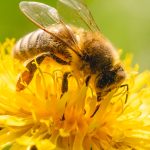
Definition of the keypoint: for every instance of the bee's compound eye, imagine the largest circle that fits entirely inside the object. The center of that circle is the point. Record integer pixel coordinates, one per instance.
(100, 82)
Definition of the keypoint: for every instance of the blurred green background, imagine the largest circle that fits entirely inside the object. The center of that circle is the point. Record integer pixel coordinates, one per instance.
(125, 22)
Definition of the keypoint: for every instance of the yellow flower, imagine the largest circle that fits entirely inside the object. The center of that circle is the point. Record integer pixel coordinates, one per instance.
(37, 118)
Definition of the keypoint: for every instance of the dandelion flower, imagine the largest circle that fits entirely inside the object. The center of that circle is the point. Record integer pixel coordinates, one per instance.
(37, 118)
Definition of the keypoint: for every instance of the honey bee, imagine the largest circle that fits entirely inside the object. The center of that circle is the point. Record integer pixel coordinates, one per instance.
(85, 50)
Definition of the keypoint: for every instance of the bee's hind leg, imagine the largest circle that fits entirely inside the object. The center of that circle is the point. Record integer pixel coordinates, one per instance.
(26, 76)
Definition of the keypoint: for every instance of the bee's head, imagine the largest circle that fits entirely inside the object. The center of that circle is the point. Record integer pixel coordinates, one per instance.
(108, 80)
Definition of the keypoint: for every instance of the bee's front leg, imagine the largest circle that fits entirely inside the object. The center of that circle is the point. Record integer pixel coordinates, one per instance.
(64, 87)
(99, 98)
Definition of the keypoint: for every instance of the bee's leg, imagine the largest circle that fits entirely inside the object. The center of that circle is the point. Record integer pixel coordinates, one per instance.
(97, 106)
(99, 99)
(87, 83)
(96, 109)
(58, 60)
(64, 87)
(87, 80)
(127, 88)
(27, 75)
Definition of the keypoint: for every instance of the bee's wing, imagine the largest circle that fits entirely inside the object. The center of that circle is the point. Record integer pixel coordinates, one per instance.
(79, 8)
(43, 16)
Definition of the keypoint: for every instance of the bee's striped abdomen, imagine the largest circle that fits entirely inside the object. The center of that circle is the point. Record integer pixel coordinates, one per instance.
(35, 43)
(26, 47)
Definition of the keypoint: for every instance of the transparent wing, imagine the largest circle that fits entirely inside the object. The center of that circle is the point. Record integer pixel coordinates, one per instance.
(43, 16)
(80, 9)
(40, 13)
